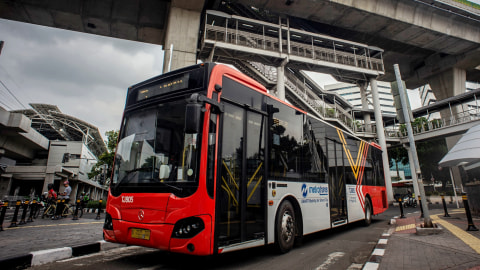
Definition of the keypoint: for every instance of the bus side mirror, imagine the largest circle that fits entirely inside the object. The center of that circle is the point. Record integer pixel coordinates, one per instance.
(193, 113)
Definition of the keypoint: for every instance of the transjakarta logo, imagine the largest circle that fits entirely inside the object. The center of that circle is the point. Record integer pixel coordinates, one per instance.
(314, 190)
(127, 199)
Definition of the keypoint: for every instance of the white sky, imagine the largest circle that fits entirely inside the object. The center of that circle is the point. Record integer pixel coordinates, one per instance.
(85, 75)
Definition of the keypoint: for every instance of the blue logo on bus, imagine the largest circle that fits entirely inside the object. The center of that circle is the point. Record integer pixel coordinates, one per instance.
(304, 190)
(314, 190)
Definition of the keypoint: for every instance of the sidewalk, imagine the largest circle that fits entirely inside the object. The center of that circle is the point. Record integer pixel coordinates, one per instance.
(46, 240)
(452, 248)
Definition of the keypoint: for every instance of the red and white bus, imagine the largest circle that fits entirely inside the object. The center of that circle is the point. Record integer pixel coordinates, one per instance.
(208, 162)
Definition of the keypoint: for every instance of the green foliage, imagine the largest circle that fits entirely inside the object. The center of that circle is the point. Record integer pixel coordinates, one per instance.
(330, 112)
(398, 154)
(94, 204)
(430, 152)
(468, 3)
(106, 158)
(419, 124)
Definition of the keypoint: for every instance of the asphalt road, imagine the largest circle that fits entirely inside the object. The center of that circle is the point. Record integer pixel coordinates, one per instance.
(347, 247)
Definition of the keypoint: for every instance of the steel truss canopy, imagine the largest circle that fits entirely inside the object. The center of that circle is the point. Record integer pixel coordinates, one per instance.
(53, 124)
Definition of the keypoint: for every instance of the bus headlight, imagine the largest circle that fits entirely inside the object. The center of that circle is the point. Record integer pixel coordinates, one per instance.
(188, 227)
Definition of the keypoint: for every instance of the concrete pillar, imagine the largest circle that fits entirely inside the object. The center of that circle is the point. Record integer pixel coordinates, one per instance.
(281, 82)
(366, 116)
(414, 175)
(448, 84)
(182, 31)
(5, 184)
(381, 137)
(49, 178)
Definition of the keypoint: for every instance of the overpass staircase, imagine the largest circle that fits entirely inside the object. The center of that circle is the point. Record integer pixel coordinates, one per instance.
(299, 92)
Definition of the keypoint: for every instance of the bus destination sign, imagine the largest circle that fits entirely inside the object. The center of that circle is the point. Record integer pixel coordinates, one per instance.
(163, 87)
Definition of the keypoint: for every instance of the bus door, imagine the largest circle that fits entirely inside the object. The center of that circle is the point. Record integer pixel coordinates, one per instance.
(240, 190)
(336, 183)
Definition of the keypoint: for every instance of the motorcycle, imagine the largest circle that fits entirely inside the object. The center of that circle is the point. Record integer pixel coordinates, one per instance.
(408, 201)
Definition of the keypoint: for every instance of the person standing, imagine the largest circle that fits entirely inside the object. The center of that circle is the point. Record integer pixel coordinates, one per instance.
(65, 195)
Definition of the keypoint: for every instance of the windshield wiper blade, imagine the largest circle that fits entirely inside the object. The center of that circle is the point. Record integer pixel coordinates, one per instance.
(172, 186)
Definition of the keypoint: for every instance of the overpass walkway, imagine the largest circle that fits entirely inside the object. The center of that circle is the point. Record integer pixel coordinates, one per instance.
(257, 47)
(231, 36)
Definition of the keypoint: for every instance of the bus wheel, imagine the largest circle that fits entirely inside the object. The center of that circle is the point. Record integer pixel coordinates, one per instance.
(368, 212)
(285, 227)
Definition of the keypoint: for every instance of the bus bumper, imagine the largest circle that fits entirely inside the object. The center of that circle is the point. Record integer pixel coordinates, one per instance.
(160, 236)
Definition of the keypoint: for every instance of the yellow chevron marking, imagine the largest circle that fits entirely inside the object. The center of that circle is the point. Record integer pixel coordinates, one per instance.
(355, 165)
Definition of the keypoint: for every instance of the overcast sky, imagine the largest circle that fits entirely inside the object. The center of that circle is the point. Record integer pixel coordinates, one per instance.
(85, 75)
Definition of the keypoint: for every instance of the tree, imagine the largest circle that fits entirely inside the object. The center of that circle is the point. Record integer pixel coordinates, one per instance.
(105, 160)
(430, 152)
(398, 154)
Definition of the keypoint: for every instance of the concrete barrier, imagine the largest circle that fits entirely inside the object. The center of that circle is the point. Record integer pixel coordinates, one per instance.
(50, 255)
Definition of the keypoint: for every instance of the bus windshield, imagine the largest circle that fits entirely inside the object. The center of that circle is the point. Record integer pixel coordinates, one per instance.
(154, 154)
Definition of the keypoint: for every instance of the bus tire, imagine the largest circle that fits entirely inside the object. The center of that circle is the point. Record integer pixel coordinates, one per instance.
(285, 227)
(368, 212)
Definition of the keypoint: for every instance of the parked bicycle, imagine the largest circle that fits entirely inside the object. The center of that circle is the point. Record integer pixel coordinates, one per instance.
(49, 209)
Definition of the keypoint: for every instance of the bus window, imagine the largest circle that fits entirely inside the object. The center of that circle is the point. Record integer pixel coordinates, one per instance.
(314, 161)
(286, 144)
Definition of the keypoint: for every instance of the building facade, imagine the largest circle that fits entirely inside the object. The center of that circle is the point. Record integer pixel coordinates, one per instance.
(351, 93)
(42, 146)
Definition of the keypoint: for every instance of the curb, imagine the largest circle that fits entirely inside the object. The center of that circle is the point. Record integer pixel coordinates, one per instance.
(36, 258)
(377, 254)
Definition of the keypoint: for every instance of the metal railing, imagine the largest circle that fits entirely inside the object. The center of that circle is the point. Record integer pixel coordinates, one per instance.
(420, 127)
(307, 96)
(280, 38)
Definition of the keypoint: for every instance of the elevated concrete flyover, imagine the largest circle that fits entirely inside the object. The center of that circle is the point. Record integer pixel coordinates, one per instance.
(436, 42)
(162, 22)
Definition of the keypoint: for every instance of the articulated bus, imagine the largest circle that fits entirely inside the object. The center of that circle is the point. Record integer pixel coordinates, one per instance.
(208, 162)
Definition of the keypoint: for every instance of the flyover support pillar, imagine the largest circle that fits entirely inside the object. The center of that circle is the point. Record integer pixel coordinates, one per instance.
(182, 32)
(366, 115)
(448, 84)
(281, 80)
(381, 137)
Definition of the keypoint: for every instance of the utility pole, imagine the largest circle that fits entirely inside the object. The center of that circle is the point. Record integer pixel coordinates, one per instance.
(427, 221)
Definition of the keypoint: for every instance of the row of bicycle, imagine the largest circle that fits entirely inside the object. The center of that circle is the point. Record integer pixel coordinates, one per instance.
(27, 210)
(58, 208)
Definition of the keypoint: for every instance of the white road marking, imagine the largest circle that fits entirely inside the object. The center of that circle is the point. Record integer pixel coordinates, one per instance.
(371, 266)
(355, 266)
(383, 241)
(331, 259)
(378, 252)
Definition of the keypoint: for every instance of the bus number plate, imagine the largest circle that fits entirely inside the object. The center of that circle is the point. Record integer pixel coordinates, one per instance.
(141, 234)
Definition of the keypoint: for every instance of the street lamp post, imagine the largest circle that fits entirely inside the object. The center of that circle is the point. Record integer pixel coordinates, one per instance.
(427, 220)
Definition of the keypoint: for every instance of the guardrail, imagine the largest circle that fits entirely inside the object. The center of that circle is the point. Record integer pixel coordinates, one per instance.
(423, 126)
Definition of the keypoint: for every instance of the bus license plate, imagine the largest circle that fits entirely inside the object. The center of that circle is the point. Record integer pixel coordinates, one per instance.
(141, 234)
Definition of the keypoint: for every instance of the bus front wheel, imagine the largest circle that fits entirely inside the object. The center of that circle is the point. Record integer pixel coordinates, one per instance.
(368, 212)
(285, 227)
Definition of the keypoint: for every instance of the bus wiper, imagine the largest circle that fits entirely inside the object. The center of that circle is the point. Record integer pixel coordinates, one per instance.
(172, 186)
(129, 173)
(138, 169)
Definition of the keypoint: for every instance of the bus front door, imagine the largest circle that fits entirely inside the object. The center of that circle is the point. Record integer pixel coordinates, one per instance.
(240, 199)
